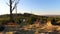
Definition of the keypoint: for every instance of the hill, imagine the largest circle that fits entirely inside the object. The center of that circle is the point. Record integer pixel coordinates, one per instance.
(29, 18)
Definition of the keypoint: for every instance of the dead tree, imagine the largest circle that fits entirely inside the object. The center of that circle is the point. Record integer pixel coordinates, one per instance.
(12, 8)
(11, 17)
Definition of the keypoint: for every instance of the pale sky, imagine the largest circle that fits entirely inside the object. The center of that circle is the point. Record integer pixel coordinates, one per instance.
(39, 7)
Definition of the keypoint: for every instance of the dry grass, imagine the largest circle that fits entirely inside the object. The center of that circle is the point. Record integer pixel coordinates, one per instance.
(48, 27)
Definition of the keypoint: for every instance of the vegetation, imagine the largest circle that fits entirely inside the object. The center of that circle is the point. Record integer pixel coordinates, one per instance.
(29, 18)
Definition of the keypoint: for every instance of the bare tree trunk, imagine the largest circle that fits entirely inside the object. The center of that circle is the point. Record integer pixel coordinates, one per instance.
(12, 8)
(11, 17)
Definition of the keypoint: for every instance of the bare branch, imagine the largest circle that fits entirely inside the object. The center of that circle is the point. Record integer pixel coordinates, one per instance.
(7, 4)
(13, 1)
(15, 5)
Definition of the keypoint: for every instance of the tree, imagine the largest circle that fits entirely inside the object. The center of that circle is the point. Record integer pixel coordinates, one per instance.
(12, 7)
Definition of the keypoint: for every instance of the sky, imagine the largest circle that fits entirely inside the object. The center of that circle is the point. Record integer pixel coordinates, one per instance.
(39, 7)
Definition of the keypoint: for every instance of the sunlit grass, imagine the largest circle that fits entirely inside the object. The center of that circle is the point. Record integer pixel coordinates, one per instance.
(48, 27)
